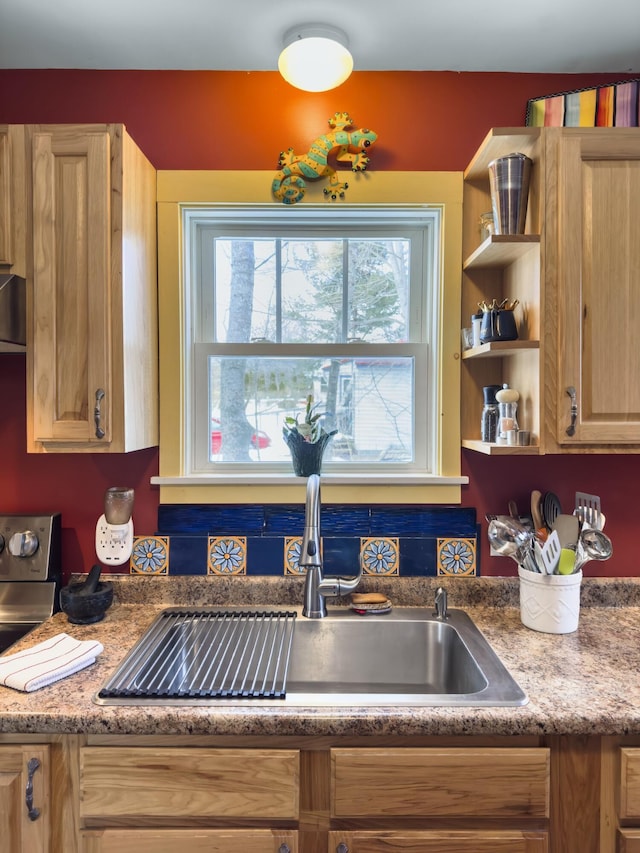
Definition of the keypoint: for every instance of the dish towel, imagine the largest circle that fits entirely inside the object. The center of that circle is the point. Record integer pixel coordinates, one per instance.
(47, 662)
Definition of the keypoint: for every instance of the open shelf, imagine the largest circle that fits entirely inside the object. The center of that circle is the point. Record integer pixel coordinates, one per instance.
(498, 349)
(500, 449)
(520, 139)
(500, 250)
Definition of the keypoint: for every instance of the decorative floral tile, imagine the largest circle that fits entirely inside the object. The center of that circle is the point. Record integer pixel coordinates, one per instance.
(380, 556)
(292, 546)
(150, 555)
(227, 555)
(456, 557)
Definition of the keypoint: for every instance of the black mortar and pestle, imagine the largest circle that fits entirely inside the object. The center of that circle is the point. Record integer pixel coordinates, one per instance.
(87, 602)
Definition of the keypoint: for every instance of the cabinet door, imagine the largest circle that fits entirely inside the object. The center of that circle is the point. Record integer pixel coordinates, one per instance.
(6, 256)
(24, 799)
(439, 841)
(70, 346)
(13, 213)
(190, 841)
(596, 282)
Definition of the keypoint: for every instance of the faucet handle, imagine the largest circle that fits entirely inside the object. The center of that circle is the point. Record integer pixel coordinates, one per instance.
(441, 603)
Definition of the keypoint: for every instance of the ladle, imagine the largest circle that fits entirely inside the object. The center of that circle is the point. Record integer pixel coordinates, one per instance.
(510, 538)
(592, 545)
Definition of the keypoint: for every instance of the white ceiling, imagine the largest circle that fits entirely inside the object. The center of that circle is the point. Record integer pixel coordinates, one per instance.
(555, 36)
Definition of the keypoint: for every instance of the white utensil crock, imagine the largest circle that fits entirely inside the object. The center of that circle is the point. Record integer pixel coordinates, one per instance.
(550, 603)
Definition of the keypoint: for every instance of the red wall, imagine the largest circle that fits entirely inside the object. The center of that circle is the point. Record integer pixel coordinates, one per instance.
(242, 120)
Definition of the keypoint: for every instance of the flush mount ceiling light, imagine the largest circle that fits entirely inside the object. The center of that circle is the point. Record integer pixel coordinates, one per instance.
(315, 57)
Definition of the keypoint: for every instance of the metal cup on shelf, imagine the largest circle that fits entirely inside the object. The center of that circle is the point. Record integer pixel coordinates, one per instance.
(509, 179)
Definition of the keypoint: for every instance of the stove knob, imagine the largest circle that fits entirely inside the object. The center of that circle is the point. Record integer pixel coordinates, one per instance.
(23, 544)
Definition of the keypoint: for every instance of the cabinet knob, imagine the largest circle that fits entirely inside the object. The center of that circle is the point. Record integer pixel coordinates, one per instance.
(97, 413)
(32, 766)
(342, 848)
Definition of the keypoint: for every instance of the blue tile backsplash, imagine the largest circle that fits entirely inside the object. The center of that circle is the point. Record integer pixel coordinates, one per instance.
(252, 539)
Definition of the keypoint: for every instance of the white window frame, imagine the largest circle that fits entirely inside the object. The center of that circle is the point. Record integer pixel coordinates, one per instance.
(421, 224)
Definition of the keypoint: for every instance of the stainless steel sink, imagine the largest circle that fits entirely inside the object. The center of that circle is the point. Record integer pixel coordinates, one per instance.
(408, 657)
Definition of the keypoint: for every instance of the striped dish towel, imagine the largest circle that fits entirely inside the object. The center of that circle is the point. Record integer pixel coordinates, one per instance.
(47, 662)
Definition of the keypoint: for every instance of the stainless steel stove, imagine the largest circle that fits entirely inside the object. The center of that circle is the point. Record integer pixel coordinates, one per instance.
(30, 570)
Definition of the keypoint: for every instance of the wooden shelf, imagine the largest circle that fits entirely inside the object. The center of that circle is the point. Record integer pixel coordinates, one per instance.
(519, 139)
(500, 449)
(500, 250)
(498, 349)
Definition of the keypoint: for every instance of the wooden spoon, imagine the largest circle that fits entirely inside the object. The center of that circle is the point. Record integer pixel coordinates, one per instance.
(536, 514)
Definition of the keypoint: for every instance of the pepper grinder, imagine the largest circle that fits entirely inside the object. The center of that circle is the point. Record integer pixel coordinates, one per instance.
(490, 414)
(507, 399)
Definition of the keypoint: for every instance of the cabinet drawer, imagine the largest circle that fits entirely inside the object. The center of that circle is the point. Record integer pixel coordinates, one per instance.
(441, 841)
(190, 841)
(482, 782)
(628, 841)
(222, 783)
(630, 783)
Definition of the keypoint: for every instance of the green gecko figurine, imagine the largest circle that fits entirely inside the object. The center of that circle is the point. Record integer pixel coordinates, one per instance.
(289, 184)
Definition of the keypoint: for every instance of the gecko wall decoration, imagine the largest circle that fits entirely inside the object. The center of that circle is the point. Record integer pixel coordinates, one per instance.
(289, 184)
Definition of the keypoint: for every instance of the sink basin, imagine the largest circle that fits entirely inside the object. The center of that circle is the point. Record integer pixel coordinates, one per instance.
(405, 658)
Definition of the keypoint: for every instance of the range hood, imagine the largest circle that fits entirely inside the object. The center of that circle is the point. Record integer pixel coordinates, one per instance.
(13, 313)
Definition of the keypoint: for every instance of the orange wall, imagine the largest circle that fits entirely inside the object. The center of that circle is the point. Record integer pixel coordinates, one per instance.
(242, 120)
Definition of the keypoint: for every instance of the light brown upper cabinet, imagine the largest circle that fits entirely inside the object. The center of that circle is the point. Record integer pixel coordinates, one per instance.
(13, 213)
(92, 381)
(594, 263)
(575, 273)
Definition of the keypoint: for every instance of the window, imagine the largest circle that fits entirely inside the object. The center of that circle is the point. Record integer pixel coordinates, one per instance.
(344, 304)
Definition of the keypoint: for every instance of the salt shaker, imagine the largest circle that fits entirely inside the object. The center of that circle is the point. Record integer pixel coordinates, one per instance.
(508, 409)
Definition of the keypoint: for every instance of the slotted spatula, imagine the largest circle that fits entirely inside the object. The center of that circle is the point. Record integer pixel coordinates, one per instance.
(551, 552)
(588, 509)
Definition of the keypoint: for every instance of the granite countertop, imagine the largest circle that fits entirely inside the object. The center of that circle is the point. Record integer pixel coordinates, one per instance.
(581, 683)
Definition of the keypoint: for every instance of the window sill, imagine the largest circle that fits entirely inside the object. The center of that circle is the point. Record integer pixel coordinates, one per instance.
(389, 479)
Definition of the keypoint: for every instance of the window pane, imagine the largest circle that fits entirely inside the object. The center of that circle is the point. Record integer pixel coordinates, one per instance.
(368, 400)
(245, 290)
(329, 290)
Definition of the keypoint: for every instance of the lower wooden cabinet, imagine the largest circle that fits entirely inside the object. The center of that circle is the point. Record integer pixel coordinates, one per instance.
(471, 784)
(439, 841)
(630, 784)
(628, 841)
(190, 841)
(25, 806)
(628, 837)
(332, 794)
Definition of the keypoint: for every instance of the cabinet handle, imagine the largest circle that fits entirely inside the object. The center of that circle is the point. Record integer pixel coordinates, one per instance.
(283, 849)
(342, 848)
(571, 429)
(32, 766)
(97, 414)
